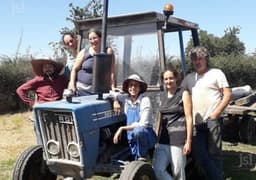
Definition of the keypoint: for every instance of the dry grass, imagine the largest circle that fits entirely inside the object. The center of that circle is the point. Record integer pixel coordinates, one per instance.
(17, 133)
(239, 161)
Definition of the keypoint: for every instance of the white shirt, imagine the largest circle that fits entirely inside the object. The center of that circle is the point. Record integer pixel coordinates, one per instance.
(206, 92)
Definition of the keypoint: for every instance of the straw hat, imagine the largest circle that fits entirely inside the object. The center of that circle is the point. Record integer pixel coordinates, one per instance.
(37, 65)
(135, 77)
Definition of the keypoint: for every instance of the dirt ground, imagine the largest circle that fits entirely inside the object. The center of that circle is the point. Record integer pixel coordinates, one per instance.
(16, 133)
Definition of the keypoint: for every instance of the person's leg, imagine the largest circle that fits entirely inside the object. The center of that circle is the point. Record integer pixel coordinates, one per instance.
(141, 136)
(161, 159)
(215, 145)
(133, 148)
(178, 162)
(200, 152)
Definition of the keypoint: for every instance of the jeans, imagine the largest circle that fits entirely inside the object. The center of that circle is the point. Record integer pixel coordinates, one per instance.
(206, 148)
(169, 154)
(140, 141)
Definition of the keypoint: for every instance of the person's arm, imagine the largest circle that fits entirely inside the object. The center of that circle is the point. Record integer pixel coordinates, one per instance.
(113, 78)
(118, 99)
(187, 103)
(23, 90)
(145, 113)
(75, 69)
(118, 133)
(227, 94)
(117, 106)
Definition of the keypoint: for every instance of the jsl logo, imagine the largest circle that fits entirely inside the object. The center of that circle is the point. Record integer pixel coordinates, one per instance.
(247, 161)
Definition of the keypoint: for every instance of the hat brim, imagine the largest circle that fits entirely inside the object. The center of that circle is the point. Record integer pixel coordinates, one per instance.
(143, 85)
(37, 65)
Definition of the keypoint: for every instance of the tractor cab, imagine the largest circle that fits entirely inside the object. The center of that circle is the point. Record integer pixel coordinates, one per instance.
(143, 42)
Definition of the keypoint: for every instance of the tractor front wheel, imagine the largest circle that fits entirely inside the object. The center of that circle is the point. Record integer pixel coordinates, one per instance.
(31, 165)
(138, 170)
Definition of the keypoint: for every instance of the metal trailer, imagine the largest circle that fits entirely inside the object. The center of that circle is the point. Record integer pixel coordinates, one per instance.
(239, 120)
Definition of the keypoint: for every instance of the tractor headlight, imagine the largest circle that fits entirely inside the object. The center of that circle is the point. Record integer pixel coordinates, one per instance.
(73, 150)
(53, 147)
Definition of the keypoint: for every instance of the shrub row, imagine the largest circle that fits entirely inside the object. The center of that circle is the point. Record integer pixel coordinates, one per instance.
(240, 70)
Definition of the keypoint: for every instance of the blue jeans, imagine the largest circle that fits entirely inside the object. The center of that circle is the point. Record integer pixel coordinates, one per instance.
(140, 141)
(206, 148)
(169, 154)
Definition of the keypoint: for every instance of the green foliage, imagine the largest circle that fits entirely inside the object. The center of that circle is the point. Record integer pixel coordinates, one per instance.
(240, 70)
(229, 44)
(94, 8)
(13, 73)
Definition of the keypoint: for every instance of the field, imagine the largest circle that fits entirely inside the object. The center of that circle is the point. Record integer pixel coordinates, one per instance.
(16, 133)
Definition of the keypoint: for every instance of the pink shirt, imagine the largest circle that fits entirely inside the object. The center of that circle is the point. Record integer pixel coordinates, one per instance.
(45, 89)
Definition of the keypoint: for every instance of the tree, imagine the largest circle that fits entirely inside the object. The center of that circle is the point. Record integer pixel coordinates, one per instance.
(232, 44)
(229, 44)
(94, 8)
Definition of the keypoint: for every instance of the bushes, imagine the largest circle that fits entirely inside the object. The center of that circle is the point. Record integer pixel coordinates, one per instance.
(240, 70)
(12, 75)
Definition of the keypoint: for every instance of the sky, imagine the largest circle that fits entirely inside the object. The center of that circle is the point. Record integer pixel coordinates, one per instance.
(35, 23)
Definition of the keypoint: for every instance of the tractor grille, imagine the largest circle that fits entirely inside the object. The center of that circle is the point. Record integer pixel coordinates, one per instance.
(58, 127)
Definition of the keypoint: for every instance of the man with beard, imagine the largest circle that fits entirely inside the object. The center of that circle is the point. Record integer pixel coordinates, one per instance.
(48, 84)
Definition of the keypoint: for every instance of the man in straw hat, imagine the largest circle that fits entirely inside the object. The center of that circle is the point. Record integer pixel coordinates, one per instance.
(138, 110)
(48, 84)
(210, 94)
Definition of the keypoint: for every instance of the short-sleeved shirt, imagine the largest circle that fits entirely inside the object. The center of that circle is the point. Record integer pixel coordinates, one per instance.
(206, 92)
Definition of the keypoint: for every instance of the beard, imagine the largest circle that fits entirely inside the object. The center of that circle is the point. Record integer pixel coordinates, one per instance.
(49, 75)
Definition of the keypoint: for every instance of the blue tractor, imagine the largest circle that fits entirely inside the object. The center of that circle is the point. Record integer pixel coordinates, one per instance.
(75, 136)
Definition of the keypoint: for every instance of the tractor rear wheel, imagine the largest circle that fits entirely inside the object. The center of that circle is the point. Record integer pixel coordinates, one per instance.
(248, 130)
(31, 165)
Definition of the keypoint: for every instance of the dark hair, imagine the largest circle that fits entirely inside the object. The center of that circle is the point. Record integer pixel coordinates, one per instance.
(98, 32)
(70, 33)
